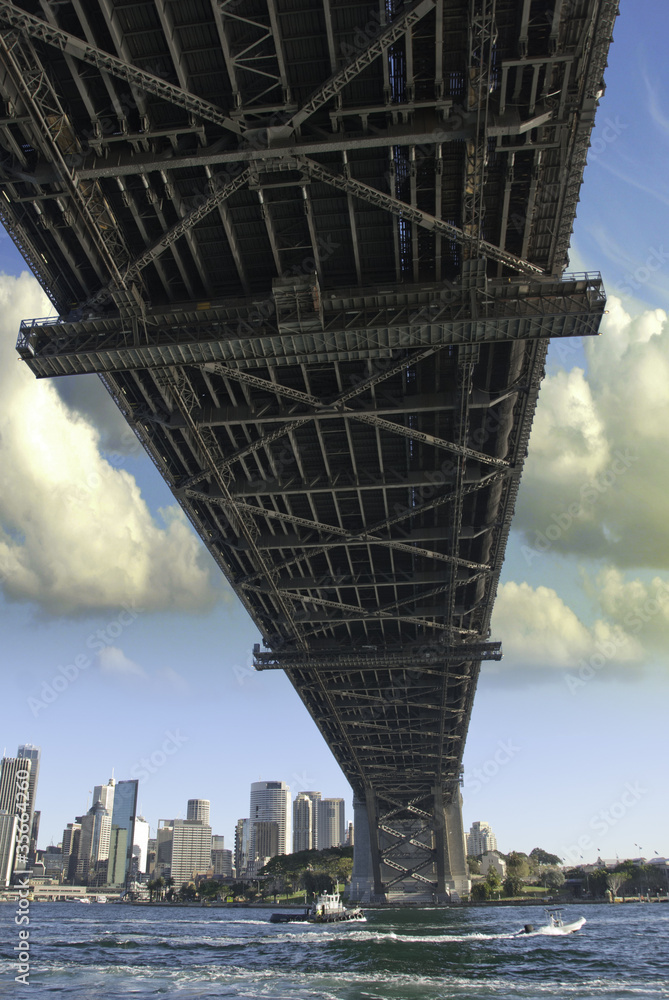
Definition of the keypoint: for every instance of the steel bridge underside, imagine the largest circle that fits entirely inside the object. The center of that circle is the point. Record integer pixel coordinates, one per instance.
(316, 252)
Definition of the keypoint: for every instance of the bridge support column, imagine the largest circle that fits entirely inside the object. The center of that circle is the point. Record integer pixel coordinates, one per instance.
(362, 879)
(456, 868)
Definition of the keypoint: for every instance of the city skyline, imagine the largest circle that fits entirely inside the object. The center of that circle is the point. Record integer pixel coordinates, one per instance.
(90, 620)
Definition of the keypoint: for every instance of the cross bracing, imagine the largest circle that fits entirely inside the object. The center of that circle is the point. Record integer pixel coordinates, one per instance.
(315, 252)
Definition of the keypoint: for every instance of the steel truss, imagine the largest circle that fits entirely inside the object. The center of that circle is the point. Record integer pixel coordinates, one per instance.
(316, 260)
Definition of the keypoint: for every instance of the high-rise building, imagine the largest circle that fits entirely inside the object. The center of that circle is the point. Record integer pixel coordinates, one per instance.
(8, 826)
(164, 839)
(331, 823)
(480, 839)
(270, 803)
(123, 818)
(191, 850)
(242, 845)
(140, 847)
(198, 810)
(32, 753)
(266, 840)
(70, 849)
(305, 821)
(95, 836)
(221, 859)
(15, 777)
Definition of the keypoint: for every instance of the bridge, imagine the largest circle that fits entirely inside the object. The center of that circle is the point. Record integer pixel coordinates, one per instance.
(316, 250)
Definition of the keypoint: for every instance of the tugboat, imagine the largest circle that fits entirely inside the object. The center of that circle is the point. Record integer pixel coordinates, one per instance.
(325, 909)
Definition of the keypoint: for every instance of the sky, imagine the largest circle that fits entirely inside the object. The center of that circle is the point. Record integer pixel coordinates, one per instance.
(125, 651)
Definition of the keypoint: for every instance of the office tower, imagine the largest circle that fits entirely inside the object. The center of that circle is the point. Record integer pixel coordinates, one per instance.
(270, 803)
(123, 819)
(305, 821)
(221, 860)
(331, 823)
(164, 839)
(242, 844)
(140, 847)
(53, 861)
(95, 836)
(191, 850)
(266, 840)
(8, 827)
(70, 849)
(198, 811)
(34, 834)
(32, 753)
(480, 839)
(350, 837)
(9, 784)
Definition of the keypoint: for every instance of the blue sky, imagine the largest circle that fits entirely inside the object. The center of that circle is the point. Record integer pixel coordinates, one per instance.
(567, 747)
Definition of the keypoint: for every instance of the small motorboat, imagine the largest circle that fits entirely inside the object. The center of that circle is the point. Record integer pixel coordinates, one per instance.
(555, 925)
(325, 909)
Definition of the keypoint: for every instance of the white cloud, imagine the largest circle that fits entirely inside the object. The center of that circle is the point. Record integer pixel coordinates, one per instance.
(540, 632)
(115, 663)
(597, 476)
(75, 533)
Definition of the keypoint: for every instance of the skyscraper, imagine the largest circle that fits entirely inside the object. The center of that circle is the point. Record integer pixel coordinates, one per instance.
(122, 839)
(95, 836)
(140, 847)
(270, 803)
(198, 810)
(480, 839)
(266, 840)
(191, 850)
(8, 825)
(242, 845)
(32, 753)
(15, 774)
(331, 823)
(305, 821)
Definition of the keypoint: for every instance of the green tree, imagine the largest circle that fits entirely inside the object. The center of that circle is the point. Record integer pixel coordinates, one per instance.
(513, 885)
(474, 865)
(553, 878)
(209, 890)
(517, 864)
(480, 891)
(493, 882)
(541, 857)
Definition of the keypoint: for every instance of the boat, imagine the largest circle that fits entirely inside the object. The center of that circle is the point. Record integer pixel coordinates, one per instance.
(84, 899)
(100, 899)
(555, 925)
(325, 909)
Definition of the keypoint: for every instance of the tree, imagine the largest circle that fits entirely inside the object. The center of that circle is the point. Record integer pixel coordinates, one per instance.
(209, 890)
(541, 857)
(474, 865)
(493, 882)
(553, 878)
(513, 885)
(517, 864)
(480, 891)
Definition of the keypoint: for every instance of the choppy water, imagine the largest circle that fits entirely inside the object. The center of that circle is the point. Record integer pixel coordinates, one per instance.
(109, 952)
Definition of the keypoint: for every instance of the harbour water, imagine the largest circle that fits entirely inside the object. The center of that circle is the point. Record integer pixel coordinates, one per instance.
(105, 952)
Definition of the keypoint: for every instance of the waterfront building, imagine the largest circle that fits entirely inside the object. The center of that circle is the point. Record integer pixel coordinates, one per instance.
(9, 768)
(480, 839)
(122, 834)
(331, 823)
(270, 803)
(305, 821)
(198, 811)
(140, 847)
(8, 827)
(191, 850)
(242, 844)
(95, 836)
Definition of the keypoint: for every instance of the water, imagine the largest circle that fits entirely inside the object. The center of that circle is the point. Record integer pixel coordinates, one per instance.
(109, 952)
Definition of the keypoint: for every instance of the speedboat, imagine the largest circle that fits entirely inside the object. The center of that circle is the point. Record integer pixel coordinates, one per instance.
(555, 925)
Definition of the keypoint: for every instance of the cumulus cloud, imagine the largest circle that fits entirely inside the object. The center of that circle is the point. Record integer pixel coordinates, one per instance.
(539, 631)
(76, 535)
(596, 479)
